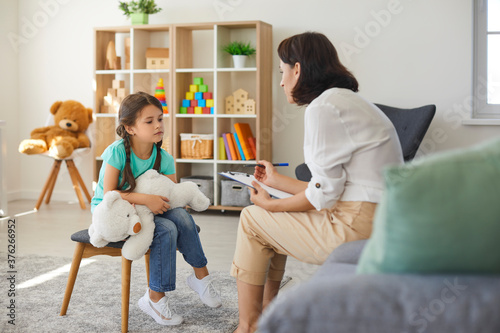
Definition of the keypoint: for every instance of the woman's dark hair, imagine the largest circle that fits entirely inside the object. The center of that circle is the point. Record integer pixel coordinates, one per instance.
(130, 109)
(320, 67)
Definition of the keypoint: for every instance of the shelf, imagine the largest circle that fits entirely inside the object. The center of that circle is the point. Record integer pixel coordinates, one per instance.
(192, 115)
(150, 71)
(245, 69)
(194, 70)
(194, 51)
(186, 160)
(112, 71)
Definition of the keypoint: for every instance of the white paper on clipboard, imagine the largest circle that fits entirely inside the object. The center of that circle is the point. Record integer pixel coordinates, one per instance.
(247, 180)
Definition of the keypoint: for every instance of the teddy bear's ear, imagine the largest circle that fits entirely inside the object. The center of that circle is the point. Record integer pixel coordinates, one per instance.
(89, 110)
(110, 197)
(55, 107)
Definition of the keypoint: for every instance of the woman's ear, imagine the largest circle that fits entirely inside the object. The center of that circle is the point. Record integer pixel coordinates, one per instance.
(296, 70)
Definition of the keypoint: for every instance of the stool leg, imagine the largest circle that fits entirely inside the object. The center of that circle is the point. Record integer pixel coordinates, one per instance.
(146, 258)
(79, 178)
(53, 182)
(76, 186)
(73, 272)
(126, 269)
(49, 184)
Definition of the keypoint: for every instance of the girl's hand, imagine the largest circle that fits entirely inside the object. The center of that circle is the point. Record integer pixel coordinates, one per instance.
(259, 196)
(267, 175)
(157, 204)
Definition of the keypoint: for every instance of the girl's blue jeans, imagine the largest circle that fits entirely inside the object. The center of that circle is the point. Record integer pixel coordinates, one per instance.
(174, 230)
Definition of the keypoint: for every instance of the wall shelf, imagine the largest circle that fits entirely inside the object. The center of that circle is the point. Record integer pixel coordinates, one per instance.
(195, 51)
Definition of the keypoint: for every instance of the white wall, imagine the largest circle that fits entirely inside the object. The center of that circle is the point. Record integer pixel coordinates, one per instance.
(9, 93)
(404, 53)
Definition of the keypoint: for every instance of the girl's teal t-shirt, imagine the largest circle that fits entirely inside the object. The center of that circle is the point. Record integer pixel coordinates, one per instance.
(116, 156)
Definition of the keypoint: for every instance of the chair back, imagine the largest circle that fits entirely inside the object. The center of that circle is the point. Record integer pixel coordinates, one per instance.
(410, 124)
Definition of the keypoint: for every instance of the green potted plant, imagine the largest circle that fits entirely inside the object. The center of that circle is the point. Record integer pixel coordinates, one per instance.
(139, 10)
(240, 52)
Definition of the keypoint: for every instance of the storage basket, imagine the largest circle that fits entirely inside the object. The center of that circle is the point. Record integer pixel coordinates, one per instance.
(205, 184)
(197, 146)
(234, 194)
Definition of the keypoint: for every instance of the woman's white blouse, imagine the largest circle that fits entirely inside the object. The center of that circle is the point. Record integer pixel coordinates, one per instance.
(347, 143)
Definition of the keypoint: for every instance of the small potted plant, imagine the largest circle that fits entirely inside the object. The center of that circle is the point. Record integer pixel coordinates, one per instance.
(139, 10)
(240, 52)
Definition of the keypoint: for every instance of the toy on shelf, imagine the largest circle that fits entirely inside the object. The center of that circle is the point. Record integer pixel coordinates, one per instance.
(160, 95)
(112, 61)
(114, 98)
(127, 53)
(157, 58)
(198, 99)
(239, 103)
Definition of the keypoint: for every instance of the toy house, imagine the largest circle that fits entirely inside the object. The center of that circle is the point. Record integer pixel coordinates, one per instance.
(239, 103)
(157, 58)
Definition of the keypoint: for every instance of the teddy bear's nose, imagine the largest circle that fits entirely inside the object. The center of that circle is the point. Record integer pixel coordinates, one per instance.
(68, 124)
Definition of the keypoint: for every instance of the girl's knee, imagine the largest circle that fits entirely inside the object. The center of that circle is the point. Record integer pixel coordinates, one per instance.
(182, 218)
(165, 227)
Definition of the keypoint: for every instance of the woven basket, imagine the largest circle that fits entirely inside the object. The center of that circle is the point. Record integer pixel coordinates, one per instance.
(197, 146)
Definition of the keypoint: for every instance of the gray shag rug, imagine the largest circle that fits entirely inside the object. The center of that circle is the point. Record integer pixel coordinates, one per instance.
(95, 304)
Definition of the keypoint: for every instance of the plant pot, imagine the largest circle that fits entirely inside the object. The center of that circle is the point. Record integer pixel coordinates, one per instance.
(139, 18)
(239, 61)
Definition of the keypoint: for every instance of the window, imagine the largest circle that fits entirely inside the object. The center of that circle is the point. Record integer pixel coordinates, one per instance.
(486, 59)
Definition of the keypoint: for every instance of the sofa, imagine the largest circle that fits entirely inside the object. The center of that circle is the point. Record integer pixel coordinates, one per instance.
(432, 263)
(336, 300)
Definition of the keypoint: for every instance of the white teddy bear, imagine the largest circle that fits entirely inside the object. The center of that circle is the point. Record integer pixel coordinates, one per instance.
(111, 221)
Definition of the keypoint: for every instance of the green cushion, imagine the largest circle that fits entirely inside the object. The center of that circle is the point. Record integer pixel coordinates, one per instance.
(440, 214)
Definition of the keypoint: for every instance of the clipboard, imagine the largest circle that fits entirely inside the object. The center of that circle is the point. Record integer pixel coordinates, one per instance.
(247, 180)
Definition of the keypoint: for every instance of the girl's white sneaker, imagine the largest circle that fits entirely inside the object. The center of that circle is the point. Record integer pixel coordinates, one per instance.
(205, 288)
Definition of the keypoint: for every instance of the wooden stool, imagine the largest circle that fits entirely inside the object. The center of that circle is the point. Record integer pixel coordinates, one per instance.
(84, 249)
(76, 179)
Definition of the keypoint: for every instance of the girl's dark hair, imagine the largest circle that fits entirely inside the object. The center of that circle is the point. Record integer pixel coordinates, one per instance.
(130, 109)
(320, 67)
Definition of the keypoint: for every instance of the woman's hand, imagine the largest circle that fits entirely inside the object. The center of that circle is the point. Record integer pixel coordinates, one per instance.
(157, 204)
(259, 196)
(268, 175)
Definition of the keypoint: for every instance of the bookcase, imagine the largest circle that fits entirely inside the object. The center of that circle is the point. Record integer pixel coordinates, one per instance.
(195, 50)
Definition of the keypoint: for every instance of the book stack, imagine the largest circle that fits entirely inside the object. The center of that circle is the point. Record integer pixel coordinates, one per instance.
(239, 145)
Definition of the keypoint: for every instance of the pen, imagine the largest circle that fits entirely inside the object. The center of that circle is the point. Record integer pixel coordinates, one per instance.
(262, 165)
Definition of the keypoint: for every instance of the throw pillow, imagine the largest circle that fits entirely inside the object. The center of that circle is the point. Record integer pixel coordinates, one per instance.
(439, 214)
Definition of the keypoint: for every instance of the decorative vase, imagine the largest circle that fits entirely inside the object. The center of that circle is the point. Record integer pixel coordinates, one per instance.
(239, 61)
(139, 18)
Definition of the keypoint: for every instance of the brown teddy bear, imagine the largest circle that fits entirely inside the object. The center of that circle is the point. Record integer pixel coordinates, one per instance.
(71, 120)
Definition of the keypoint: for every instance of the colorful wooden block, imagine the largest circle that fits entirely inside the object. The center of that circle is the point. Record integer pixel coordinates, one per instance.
(198, 110)
(190, 109)
(207, 95)
(202, 103)
(206, 110)
(211, 110)
(198, 80)
(194, 88)
(183, 110)
(189, 95)
(210, 103)
(186, 103)
(198, 95)
(194, 102)
(203, 88)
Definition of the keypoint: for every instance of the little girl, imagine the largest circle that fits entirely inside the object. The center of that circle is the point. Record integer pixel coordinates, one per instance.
(141, 130)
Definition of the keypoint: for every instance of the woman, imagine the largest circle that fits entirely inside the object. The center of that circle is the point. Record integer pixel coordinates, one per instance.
(347, 143)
